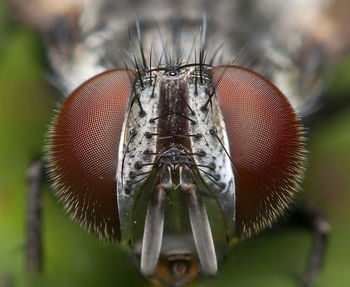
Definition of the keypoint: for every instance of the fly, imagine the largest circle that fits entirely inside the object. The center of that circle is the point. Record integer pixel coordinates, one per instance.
(170, 147)
(145, 144)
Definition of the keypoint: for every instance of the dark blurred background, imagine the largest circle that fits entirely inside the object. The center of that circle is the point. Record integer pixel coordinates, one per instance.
(74, 258)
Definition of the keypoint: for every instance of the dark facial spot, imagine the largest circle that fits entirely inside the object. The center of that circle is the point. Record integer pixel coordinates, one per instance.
(212, 131)
(148, 135)
(202, 153)
(133, 132)
(138, 165)
(212, 166)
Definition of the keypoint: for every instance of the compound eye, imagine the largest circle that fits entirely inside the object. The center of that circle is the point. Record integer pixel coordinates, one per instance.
(266, 145)
(83, 150)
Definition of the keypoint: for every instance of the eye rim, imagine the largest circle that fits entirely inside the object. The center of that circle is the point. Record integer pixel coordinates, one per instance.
(61, 189)
(243, 227)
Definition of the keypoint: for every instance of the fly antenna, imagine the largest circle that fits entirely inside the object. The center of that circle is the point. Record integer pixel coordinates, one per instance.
(201, 230)
(153, 232)
(202, 234)
(154, 224)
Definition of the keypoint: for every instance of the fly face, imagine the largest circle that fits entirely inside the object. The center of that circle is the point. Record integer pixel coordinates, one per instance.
(168, 149)
(177, 161)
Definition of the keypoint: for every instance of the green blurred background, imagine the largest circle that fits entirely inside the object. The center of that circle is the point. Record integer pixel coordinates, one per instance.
(74, 258)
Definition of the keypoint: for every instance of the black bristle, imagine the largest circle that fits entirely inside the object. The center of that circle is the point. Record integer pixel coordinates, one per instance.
(239, 53)
(135, 60)
(215, 53)
(150, 66)
(154, 86)
(200, 66)
(139, 36)
(163, 45)
(192, 48)
(195, 75)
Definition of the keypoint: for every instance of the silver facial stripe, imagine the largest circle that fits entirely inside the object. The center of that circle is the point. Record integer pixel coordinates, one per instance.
(213, 145)
(135, 147)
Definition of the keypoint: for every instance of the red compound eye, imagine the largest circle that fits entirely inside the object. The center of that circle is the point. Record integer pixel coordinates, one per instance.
(266, 145)
(83, 150)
